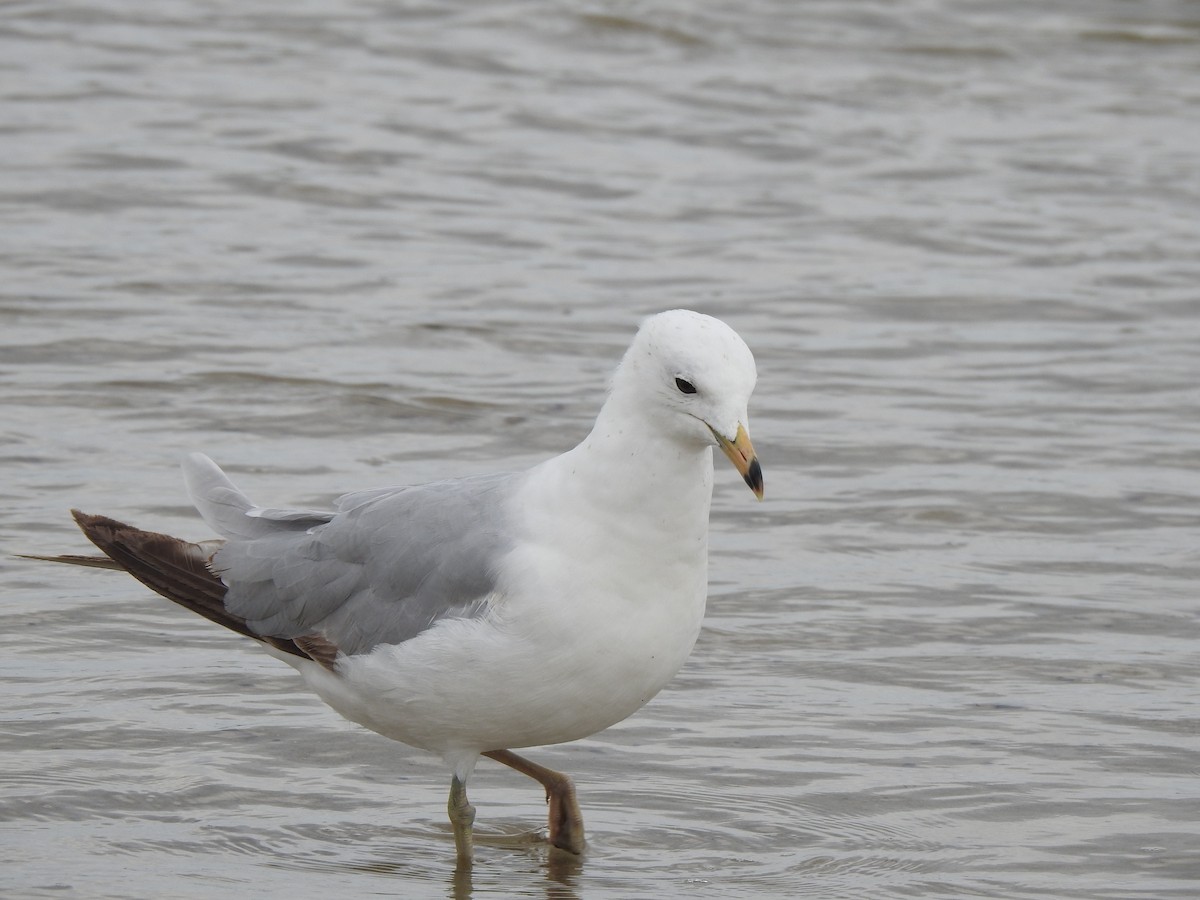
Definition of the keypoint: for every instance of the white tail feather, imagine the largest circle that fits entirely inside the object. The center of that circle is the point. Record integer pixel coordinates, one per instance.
(218, 500)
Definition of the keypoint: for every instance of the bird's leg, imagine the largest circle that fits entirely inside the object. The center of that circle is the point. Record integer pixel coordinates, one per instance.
(462, 817)
(566, 821)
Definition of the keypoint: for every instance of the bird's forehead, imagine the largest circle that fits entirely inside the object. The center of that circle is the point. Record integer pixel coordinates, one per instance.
(697, 343)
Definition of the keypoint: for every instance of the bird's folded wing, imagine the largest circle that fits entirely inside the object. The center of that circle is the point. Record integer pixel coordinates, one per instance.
(389, 565)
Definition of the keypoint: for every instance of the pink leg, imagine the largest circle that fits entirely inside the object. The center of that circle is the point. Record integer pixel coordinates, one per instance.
(566, 821)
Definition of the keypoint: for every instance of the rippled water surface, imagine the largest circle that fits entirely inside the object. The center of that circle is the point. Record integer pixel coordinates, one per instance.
(337, 245)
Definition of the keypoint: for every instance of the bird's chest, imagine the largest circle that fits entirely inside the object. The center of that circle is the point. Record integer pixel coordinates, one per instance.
(628, 626)
(611, 592)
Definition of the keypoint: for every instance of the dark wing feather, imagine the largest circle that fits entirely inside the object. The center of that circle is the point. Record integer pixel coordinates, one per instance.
(176, 569)
(385, 567)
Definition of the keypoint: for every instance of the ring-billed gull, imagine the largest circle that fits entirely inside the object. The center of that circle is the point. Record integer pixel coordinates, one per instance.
(473, 616)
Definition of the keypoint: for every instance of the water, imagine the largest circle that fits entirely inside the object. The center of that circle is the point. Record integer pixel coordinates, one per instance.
(337, 245)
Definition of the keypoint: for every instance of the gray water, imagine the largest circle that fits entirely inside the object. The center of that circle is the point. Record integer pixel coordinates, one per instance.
(956, 652)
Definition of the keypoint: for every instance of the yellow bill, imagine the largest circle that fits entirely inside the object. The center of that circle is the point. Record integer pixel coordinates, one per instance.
(741, 453)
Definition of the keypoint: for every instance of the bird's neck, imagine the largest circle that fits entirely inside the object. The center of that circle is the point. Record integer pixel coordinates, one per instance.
(632, 465)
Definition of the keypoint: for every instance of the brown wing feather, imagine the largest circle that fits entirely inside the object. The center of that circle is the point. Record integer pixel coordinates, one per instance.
(74, 559)
(178, 570)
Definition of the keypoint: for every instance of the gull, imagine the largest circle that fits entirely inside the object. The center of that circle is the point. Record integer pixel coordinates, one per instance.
(474, 616)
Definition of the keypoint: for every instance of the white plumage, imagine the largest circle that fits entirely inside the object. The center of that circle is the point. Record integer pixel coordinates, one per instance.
(478, 615)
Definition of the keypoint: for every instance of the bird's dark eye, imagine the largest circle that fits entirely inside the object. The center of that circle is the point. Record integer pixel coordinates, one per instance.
(685, 387)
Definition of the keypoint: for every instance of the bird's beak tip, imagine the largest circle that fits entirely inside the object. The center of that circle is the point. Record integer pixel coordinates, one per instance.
(754, 478)
(741, 453)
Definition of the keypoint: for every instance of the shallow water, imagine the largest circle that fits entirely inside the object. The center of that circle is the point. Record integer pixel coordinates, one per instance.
(336, 245)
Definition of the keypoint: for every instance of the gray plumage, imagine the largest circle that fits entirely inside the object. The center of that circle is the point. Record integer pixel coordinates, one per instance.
(382, 568)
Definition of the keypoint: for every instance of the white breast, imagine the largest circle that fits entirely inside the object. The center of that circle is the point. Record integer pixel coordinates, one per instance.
(574, 641)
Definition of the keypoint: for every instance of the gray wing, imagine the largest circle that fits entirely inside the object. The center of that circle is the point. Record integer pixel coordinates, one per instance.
(382, 569)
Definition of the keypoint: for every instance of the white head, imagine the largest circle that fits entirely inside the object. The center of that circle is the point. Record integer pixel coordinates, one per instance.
(694, 375)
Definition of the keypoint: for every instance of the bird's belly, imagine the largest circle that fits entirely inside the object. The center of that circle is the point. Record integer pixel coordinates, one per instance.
(508, 681)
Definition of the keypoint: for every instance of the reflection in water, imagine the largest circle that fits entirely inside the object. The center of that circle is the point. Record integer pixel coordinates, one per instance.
(561, 871)
(500, 854)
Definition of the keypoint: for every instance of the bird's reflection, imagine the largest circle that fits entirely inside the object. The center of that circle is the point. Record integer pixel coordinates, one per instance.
(561, 868)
